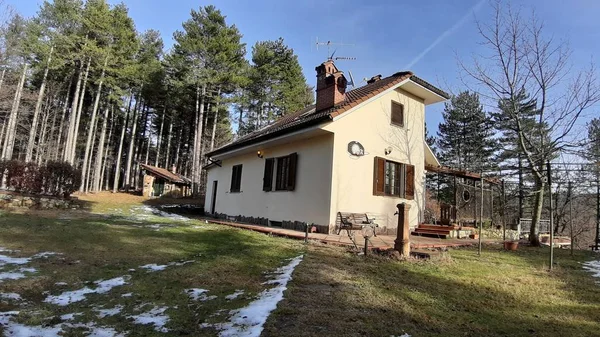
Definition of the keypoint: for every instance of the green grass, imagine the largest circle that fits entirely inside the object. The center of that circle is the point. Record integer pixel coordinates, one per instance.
(333, 292)
(97, 246)
(498, 294)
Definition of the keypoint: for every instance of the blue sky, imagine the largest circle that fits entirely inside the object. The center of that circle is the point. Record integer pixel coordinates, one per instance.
(387, 35)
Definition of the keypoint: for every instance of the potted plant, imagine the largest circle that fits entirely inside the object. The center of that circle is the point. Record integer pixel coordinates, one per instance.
(513, 241)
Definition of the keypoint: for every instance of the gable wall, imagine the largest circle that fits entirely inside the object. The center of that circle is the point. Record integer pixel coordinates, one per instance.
(352, 179)
(309, 202)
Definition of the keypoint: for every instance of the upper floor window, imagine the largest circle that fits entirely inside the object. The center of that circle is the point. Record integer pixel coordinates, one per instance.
(236, 178)
(397, 114)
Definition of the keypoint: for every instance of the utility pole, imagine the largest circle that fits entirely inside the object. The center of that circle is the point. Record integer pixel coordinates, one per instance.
(549, 174)
(570, 193)
(597, 209)
(480, 216)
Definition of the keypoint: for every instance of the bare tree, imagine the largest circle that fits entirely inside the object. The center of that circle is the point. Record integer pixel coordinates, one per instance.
(519, 57)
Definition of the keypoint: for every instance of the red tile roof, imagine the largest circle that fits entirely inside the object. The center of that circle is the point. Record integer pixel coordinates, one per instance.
(308, 116)
(166, 174)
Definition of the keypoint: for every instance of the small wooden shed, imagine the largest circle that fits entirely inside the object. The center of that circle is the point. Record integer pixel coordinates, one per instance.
(160, 182)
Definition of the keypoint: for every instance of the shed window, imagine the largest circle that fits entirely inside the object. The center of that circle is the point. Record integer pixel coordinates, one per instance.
(397, 114)
(393, 179)
(286, 173)
(236, 178)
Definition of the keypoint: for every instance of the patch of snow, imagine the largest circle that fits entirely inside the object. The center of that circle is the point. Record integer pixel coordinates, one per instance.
(44, 255)
(198, 294)
(109, 312)
(11, 296)
(70, 317)
(61, 284)
(27, 270)
(103, 332)
(148, 211)
(592, 266)
(11, 276)
(69, 297)
(127, 295)
(235, 295)
(5, 259)
(249, 321)
(156, 317)
(151, 267)
(16, 329)
(154, 267)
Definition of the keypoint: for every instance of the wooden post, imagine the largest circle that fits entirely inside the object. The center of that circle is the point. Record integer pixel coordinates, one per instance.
(402, 242)
(551, 215)
(503, 211)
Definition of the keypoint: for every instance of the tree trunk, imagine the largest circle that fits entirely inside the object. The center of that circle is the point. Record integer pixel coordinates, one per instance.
(197, 161)
(110, 130)
(36, 113)
(79, 110)
(72, 118)
(119, 152)
(100, 152)
(160, 133)
(139, 147)
(42, 143)
(537, 212)
(127, 180)
(89, 167)
(169, 136)
(9, 139)
(62, 122)
(215, 120)
(87, 154)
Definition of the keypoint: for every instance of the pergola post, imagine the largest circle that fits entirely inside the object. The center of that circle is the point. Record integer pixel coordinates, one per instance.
(402, 242)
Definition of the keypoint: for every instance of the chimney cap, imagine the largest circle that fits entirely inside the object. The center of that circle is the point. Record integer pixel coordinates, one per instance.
(374, 79)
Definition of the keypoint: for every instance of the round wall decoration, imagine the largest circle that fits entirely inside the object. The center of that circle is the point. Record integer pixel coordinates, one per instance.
(356, 149)
(466, 195)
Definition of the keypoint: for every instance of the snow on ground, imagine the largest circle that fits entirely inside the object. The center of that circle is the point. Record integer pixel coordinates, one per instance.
(19, 273)
(127, 295)
(69, 297)
(249, 321)
(10, 296)
(109, 312)
(235, 295)
(70, 317)
(158, 267)
(147, 211)
(592, 266)
(198, 294)
(156, 316)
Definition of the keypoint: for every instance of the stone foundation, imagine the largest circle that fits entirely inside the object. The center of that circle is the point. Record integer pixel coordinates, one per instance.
(15, 200)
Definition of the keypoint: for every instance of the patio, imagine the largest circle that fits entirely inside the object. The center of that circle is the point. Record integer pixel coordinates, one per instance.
(378, 242)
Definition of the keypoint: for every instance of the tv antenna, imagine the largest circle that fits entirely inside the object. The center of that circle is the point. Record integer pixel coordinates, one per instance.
(329, 44)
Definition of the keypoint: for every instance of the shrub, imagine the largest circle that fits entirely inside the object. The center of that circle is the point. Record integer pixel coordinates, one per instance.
(54, 178)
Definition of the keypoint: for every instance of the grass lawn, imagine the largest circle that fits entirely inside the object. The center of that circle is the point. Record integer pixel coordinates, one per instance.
(113, 238)
(499, 294)
(332, 293)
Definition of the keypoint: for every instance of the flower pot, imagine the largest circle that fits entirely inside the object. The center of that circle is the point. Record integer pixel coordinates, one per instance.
(511, 245)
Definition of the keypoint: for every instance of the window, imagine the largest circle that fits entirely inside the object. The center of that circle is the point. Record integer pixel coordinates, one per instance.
(268, 176)
(236, 178)
(285, 179)
(397, 114)
(393, 179)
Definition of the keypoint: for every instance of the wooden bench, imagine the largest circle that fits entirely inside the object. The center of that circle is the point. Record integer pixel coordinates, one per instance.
(351, 222)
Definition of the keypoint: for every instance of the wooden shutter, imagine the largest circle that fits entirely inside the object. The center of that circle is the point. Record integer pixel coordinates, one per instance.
(409, 182)
(379, 176)
(397, 114)
(268, 176)
(292, 164)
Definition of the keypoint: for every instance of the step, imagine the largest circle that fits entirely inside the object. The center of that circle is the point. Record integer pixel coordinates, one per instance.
(431, 234)
(423, 226)
(432, 230)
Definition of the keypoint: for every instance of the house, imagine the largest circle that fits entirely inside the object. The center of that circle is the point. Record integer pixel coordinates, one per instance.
(361, 150)
(160, 182)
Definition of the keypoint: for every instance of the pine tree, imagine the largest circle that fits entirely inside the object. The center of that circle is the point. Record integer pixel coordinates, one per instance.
(464, 137)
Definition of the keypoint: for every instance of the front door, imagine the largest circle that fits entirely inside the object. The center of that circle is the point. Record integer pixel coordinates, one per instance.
(213, 201)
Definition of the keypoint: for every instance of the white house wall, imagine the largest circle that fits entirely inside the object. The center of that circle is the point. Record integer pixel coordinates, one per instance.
(352, 183)
(309, 202)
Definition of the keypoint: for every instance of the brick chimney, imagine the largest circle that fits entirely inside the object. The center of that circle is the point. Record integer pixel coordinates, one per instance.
(331, 86)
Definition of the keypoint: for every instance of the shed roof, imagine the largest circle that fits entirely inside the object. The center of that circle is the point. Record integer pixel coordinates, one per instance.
(166, 174)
